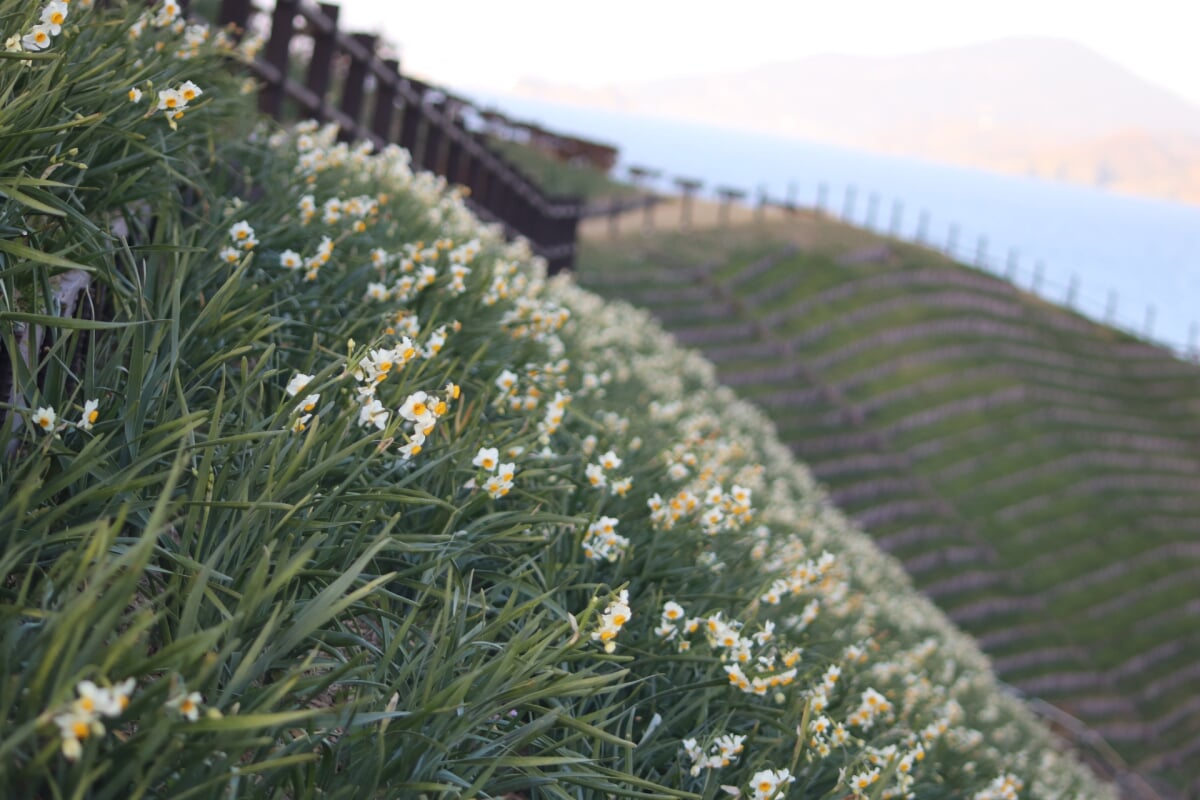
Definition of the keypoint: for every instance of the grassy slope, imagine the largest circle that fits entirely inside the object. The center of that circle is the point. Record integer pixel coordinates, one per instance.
(246, 545)
(1037, 474)
(555, 177)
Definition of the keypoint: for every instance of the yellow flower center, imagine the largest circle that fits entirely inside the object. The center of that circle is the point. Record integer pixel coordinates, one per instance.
(40, 37)
(171, 102)
(187, 706)
(80, 729)
(57, 18)
(419, 409)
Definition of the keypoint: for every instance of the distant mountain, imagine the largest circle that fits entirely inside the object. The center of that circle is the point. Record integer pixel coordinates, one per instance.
(1038, 106)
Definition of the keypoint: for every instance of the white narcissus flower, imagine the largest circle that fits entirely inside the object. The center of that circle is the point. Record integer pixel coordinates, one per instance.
(506, 381)
(54, 15)
(73, 728)
(496, 487)
(189, 91)
(595, 475)
(167, 14)
(290, 259)
(45, 418)
(37, 39)
(416, 407)
(672, 611)
(373, 413)
(416, 443)
(487, 458)
(297, 383)
(91, 412)
(188, 705)
(241, 231)
(308, 404)
(170, 100)
(610, 460)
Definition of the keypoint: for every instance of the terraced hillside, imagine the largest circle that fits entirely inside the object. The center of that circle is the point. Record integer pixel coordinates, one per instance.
(1038, 474)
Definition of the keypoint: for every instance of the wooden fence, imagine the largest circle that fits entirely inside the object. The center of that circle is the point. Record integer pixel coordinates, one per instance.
(346, 82)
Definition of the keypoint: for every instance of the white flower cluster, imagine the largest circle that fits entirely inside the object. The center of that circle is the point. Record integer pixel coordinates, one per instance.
(615, 615)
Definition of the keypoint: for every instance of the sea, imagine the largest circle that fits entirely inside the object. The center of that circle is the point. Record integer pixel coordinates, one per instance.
(1132, 262)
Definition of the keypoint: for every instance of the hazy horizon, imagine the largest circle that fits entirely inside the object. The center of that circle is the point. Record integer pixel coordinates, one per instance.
(628, 41)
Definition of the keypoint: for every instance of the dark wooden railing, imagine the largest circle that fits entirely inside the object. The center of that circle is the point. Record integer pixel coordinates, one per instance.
(345, 76)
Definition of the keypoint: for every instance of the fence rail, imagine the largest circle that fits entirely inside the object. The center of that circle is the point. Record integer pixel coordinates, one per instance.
(349, 83)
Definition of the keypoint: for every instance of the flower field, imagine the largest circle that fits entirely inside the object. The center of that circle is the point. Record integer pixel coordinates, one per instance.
(315, 487)
(1034, 471)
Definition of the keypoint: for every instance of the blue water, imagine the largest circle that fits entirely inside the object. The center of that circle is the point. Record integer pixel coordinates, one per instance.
(1143, 254)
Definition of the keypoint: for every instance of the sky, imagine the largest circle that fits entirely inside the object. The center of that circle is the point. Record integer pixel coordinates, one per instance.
(491, 44)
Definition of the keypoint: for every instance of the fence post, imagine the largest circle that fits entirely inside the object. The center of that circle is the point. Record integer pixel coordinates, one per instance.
(848, 204)
(354, 87)
(728, 195)
(872, 207)
(414, 112)
(1110, 311)
(500, 195)
(760, 210)
(688, 186)
(922, 226)
(385, 101)
(897, 217)
(1011, 272)
(640, 176)
(481, 181)
(270, 100)
(1149, 322)
(431, 150)
(792, 202)
(454, 148)
(1072, 290)
(1193, 330)
(822, 193)
(1038, 271)
(321, 64)
(952, 239)
(473, 170)
(563, 225)
(981, 253)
